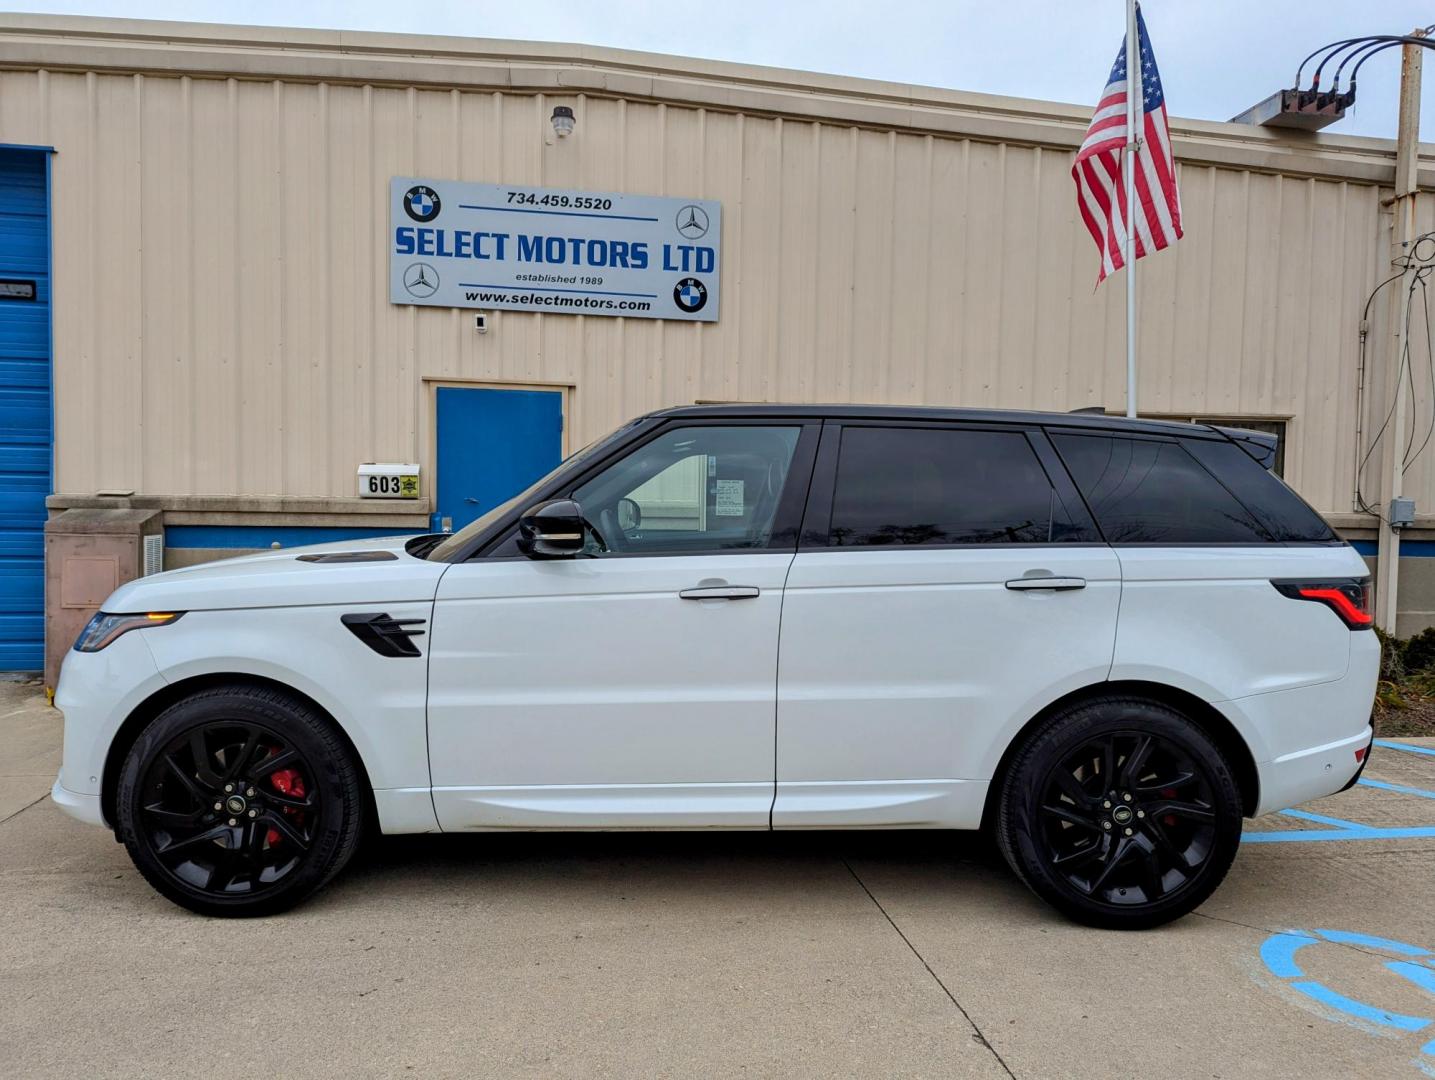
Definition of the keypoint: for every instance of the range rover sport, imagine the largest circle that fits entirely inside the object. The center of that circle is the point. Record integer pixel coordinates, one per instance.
(1105, 640)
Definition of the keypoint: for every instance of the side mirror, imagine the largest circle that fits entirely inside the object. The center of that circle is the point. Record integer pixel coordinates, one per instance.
(551, 530)
(630, 515)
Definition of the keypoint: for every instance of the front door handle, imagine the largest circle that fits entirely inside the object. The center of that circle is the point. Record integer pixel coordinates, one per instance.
(721, 592)
(1052, 584)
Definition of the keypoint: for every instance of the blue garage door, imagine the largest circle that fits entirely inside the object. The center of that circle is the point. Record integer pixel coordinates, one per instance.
(25, 418)
(491, 445)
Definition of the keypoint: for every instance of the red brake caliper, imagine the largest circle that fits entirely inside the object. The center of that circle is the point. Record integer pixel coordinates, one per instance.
(286, 782)
(1169, 793)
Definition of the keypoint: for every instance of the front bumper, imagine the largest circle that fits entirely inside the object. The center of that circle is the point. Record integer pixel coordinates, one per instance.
(97, 691)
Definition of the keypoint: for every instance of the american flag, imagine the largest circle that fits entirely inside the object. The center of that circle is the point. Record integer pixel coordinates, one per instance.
(1100, 186)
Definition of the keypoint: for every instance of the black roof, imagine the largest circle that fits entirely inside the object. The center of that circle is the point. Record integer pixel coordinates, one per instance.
(927, 412)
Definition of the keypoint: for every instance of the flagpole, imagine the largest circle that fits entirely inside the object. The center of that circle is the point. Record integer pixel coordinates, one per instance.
(1133, 142)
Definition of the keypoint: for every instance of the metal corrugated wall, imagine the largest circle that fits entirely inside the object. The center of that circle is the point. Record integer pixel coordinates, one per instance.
(25, 421)
(227, 237)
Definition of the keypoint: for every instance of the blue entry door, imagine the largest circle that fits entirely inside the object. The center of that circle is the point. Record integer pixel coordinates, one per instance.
(491, 445)
(25, 427)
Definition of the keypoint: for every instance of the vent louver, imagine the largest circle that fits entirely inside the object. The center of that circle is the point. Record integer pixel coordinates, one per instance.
(384, 634)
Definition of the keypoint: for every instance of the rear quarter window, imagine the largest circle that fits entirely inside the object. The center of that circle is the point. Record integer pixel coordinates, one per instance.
(1152, 491)
(1281, 512)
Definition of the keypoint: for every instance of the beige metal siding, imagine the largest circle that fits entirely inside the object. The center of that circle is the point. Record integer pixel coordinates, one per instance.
(222, 321)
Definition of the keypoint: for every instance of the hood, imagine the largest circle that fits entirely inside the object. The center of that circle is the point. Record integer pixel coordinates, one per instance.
(380, 571)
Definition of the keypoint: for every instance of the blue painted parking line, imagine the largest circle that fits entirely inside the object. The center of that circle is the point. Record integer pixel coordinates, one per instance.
(1300, 836)
(1321, 819)
(1389, 745)
(1401, 788)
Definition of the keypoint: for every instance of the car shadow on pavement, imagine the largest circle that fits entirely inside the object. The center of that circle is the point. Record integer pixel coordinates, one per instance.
(676, 862)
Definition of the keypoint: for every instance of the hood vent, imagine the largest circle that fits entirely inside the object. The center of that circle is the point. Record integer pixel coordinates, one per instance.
(349, 556)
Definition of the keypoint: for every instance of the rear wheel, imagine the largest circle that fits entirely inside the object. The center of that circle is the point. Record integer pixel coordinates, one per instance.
(1121, 813)
(239, 801)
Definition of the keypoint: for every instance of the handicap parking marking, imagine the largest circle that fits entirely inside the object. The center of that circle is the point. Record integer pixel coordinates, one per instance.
(1370, 941)
(1422, 977)
(1278, 953)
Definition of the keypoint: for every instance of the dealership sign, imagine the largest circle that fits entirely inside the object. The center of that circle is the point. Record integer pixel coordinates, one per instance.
(516, 248)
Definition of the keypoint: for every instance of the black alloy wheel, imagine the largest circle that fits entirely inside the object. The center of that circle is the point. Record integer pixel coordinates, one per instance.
(1127, 818)
(229, 807)
(1121, 813)
(239, 801)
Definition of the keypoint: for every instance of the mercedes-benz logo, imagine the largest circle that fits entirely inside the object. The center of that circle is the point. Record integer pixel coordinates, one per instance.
(421, 280)
(692, 222)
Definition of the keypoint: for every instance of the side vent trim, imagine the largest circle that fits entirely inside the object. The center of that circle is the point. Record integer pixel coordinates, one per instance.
(384, 634)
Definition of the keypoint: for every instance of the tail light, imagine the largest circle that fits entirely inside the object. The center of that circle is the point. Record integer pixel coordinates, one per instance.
(1349, 598)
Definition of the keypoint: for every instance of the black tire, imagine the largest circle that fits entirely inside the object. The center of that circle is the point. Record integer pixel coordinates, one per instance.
(297, 802)
(1121, 813)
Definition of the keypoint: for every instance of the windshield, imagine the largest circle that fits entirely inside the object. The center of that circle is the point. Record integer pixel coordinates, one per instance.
(455, 543)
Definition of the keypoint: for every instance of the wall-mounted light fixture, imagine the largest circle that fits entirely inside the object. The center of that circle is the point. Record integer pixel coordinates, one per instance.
(563, 120)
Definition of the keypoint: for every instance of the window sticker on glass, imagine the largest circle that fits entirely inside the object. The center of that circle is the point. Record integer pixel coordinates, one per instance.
(729, 498)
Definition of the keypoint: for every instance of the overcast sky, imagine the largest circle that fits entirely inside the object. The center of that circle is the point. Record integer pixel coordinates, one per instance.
(1217, 57)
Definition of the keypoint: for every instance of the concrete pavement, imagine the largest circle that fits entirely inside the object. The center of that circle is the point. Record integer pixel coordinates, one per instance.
(680, 955)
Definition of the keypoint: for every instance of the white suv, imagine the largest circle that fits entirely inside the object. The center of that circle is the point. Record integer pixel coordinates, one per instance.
(1107, 640)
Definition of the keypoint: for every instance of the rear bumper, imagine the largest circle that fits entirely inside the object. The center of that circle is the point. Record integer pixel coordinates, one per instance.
(84, 808)
(1311, 774)
(1304, 739)
(1364, 761)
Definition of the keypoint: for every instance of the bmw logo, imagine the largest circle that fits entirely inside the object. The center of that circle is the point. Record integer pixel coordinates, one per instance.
(690, 294)
(422, 203)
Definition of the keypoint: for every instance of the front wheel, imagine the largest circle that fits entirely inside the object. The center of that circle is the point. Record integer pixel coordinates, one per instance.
(1121, 813)
(239, 801)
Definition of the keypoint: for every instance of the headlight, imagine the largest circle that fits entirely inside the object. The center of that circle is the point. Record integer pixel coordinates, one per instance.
(104, 628)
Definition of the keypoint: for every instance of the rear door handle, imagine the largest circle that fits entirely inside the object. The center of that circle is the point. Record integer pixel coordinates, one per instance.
(1052, 584)
(721, 592)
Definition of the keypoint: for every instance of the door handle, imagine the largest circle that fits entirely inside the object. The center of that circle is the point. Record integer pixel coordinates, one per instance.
(720, 592)
(1047, 582)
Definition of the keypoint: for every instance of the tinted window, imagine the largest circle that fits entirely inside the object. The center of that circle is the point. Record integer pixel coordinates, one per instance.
(700, 488)
(1142, 491)
(1283, 513)
(939, 486)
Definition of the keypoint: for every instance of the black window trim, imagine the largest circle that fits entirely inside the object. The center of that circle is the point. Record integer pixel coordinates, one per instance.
(785, 524)
(817, 519)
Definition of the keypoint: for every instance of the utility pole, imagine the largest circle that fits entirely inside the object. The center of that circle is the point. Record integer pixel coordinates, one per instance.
(1407, 161)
